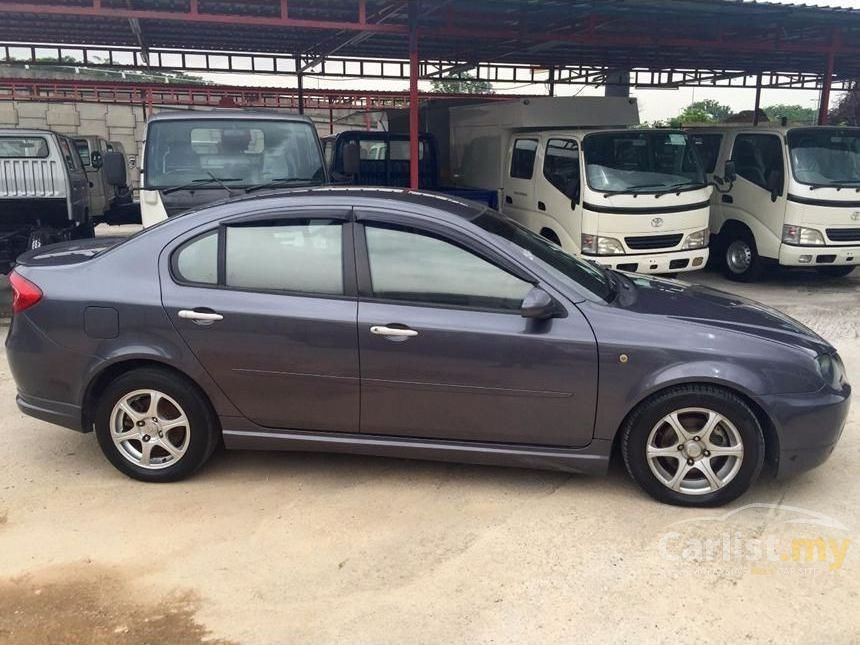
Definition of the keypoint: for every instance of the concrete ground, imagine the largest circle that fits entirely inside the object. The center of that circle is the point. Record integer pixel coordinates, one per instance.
(299, 548)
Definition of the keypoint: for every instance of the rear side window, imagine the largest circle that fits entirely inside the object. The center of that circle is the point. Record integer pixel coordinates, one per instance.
(23, 148)
(197, 260)
(758, 158)
(708, 148)
(303, 256)
(523, 158)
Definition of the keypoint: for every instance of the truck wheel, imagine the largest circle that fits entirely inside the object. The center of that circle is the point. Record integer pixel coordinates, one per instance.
(741, 261)
(84, 231)
(835, 272)
(39, 238)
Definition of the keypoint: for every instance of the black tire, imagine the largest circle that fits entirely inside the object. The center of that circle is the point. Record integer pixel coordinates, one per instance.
(740, 259)
(39, 238)
(638, 427)
(203, 427)
(836, 272)
(84, 231)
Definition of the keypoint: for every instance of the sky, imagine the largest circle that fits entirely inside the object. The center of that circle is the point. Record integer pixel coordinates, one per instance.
(653, 104)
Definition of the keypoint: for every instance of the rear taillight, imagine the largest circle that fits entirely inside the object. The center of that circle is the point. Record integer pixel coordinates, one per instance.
(25, 294)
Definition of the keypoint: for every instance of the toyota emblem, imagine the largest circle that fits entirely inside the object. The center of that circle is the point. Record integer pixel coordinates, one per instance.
(657, 222)
(855, 216)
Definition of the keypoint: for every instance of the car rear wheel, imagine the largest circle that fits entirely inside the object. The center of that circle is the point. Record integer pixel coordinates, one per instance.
(694, 445)
(155, 426)
(835, 272)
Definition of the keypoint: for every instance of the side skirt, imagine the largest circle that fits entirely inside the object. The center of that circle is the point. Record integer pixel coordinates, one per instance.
(591, 460)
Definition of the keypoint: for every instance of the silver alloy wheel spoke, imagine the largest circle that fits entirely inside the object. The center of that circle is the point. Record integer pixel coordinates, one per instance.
(150, 429)
(694, 451)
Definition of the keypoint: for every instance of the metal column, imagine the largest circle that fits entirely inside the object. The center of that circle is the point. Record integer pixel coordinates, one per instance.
(300, 84)
(827, 81)
(413, 94)
(757, 99)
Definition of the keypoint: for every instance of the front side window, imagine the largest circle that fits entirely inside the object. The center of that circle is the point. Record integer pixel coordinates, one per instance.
(523, 158)
(758, 158)
(296, 256)
(641, 161)
(708, 148)
(561, 166)
(23, 148)
(415, 267)
(825, 156)
(239, 152)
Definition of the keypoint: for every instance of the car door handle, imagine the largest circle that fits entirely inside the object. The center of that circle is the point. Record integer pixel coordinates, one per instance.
(200, 316)
(394, 332)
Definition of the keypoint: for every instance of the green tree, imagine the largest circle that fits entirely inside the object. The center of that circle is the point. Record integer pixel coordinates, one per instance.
(465, 84)
(847, 111)
(705, 111)
(793, 113)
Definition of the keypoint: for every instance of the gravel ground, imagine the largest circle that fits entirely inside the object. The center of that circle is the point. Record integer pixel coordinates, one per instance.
(303, 548)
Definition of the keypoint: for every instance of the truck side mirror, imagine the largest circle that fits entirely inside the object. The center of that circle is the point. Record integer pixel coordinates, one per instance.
(113, 164)
(351, 159)
(96, 160)
(730, 174)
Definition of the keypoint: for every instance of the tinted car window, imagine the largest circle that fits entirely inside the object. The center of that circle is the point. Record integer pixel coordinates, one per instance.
(708, 147)
(757, 157)
(561, 166)
(300, 255)
(197, 261)
(413, 266)
(523, 158)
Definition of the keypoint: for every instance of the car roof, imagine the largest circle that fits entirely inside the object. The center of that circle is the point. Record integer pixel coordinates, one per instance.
(227, 113)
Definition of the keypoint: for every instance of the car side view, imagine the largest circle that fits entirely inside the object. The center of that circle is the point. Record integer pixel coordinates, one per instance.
(409, 324)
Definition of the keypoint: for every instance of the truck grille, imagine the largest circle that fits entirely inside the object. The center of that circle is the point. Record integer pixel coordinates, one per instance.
(648, 242)
(844, 234)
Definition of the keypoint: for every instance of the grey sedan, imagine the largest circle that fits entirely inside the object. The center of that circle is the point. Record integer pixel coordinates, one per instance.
(388, 322)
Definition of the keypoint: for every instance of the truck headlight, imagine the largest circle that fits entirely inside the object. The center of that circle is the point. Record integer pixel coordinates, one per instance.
(792, 234)
(697, 240)
(596, 245)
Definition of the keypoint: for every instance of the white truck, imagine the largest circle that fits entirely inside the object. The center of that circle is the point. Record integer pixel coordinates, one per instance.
(795, 202)
(577, 172)
(191, 158)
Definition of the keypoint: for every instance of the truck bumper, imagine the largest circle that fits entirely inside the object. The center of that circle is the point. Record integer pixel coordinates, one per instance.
(672, 262)
(804, 256)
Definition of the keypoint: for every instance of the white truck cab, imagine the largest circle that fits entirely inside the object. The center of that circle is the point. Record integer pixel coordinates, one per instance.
(795, 201)
(631, 199)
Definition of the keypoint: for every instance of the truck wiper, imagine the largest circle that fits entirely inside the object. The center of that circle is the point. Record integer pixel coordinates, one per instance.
(198, 183)
(631, 190)
(281, 181)
(674, 188)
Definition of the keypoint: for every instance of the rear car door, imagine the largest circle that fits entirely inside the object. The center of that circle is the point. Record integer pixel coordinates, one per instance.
(445, 353)
(267, 304)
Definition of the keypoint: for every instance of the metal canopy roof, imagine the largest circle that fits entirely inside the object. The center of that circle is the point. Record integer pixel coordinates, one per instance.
(718, 35)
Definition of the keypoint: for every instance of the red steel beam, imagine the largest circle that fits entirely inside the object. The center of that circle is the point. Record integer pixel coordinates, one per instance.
(414, 114)
(827, 81)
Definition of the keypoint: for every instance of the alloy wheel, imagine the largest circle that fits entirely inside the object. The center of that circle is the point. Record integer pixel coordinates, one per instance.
(150, 429)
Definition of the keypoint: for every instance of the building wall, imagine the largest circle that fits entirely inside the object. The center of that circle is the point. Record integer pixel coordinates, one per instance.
(123, 123)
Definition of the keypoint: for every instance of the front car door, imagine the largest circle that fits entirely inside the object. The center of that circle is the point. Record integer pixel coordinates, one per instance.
(78, 182)
(519, 180)
(558, 190)
(445, 353)
(267, 304)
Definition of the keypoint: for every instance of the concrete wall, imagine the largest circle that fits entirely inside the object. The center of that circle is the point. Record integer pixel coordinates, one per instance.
(123, 123)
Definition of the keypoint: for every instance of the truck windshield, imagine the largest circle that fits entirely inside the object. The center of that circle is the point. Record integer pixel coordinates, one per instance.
(23, 148)
(249, 151)
(825, 156)
(638, 161)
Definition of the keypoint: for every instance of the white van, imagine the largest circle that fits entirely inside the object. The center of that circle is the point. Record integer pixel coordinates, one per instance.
(631, 199)
(795, 202)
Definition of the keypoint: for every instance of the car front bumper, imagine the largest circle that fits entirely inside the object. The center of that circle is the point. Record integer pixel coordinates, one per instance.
(808, 427)
(804, 256)
(655, 263)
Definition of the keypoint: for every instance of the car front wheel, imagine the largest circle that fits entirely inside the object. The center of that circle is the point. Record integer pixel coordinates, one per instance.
(694, 445)
(154, 426)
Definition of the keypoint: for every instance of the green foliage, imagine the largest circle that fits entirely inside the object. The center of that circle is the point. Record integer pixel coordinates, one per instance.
(468, 85)
(847, 111)
(796, 114)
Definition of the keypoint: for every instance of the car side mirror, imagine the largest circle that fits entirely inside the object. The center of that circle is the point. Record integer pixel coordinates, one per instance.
(113, 164)
(538, 305)
(351, 159)
(96, 160)
(729, 172)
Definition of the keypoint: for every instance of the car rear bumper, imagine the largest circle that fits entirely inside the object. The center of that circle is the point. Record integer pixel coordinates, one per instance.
(56, 412)
(804, 256)
(808, 427)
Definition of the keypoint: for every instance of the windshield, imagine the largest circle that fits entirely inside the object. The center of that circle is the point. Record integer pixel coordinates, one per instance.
(825, 156)
(638, 161)
(536, 247)
(243, 152)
